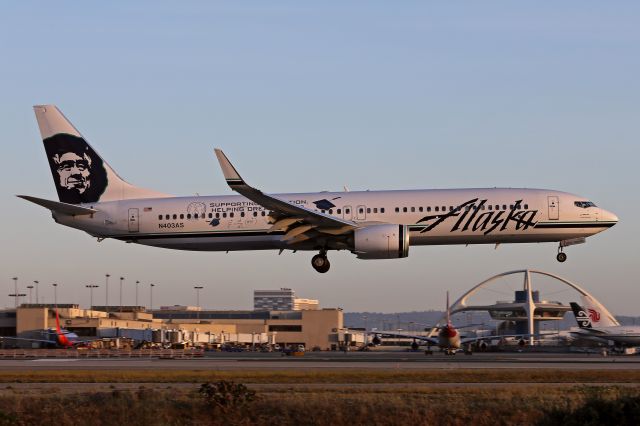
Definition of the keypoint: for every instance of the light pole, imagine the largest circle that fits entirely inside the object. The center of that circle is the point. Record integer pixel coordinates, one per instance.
(151, 286)
(15, 292)
(55, 295)
(37, 297)
(366, 336)
(91, 287)
(121, 279)
(137, 282)
(106, 286)
(30, 287)
(198, 288)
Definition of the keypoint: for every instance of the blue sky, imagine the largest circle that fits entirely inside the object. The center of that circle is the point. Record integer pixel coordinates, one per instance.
(372, 95)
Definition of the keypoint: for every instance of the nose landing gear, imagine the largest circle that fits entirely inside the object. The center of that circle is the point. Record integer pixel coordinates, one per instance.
(320, 262)
(561, 257)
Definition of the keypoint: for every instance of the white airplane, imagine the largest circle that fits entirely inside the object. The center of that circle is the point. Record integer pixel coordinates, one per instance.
(598, 325)
(370, 224)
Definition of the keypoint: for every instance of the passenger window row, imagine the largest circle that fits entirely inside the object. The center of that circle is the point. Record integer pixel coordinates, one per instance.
(490, 207)
(204, 216)
(375, 210)
(360, 210)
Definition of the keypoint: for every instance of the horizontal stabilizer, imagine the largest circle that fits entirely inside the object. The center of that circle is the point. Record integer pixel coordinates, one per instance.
(58, 207)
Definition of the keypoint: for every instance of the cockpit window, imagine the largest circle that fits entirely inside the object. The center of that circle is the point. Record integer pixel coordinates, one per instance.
(584, 204)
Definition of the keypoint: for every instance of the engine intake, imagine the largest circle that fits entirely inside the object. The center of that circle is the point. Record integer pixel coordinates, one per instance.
(383, 241)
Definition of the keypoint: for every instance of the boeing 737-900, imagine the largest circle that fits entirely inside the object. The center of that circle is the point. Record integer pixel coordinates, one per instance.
(370, 224)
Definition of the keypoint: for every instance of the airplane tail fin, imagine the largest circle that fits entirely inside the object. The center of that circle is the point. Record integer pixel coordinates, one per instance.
(58, 328)
(448, 310)
(582, 318)
(79, 173)
(598, 314)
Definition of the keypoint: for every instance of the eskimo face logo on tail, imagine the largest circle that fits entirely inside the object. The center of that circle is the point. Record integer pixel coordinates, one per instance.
(583, 319)
(594, 315)
(78, 172)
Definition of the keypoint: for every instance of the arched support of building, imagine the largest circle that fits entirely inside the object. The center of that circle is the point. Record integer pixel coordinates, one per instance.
(529, 305)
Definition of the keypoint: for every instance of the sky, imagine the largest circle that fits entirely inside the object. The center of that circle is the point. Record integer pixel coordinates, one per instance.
(307, 97)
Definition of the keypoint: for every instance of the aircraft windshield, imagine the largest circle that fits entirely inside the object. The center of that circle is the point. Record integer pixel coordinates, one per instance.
(584, 204)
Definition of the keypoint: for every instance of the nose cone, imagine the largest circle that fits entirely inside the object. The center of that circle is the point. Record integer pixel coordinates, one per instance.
(608, 216)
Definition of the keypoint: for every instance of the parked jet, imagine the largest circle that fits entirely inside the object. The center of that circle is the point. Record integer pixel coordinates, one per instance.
(370, 224)
(57, 338)
(448, 338)
(601, 327)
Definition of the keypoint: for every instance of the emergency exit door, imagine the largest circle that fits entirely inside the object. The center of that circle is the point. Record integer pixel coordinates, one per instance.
(554, 207)
(134, 223)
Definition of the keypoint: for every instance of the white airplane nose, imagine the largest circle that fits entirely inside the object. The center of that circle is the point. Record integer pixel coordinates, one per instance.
(609, 217)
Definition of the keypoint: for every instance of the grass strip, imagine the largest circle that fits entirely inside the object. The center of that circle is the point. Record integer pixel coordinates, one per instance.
(323, 376)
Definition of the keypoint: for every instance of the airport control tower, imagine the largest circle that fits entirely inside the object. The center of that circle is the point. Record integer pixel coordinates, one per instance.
(514, 313)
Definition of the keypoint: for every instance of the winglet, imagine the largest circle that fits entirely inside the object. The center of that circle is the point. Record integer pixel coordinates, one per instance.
(231, 175)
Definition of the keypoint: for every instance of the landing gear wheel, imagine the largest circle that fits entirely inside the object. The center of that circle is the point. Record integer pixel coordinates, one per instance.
(561, 257)
(320, 263)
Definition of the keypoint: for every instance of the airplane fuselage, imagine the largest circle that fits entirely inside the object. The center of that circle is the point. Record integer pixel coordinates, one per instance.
(447, 216)
(619, 335)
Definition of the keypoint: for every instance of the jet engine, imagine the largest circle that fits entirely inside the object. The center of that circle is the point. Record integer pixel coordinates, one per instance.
(383, 241)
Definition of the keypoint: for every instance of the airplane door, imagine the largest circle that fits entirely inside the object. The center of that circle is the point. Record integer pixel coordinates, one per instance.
(554, 207)
(361, 213)
(134, 223)
(347, 213)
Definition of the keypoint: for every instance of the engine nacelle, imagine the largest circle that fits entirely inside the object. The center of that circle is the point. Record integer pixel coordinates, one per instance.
(383, 241)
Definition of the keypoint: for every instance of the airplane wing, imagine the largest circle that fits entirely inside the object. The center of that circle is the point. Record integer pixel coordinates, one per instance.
(285, 214)
(430, 340)
(501, 336)
(23, 339)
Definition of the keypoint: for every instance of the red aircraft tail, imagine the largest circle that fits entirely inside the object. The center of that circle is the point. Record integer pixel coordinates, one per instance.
(448, 310)
(62, 339)
(58, 329)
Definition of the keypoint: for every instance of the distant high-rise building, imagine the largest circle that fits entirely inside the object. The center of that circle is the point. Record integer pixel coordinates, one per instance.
(281, 300)
(274, 300)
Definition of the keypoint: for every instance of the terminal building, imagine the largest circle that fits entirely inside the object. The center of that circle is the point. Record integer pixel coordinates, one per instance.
(314, 328)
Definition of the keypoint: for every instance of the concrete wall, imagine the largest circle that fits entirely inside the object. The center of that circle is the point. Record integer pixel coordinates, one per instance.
(32, 319)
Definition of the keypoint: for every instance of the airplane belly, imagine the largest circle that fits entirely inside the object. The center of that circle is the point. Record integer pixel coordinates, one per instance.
(211, 243)
(530, 236)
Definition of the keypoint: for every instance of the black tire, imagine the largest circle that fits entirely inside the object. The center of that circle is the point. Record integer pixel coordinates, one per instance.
(561, 257)
(320, 263)
(326, 266)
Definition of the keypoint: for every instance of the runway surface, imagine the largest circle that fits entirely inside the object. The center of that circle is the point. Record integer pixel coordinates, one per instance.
(337, 361)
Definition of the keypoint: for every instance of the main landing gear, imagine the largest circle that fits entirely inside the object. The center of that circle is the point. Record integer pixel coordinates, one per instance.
(562, 256)
(320, 262)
